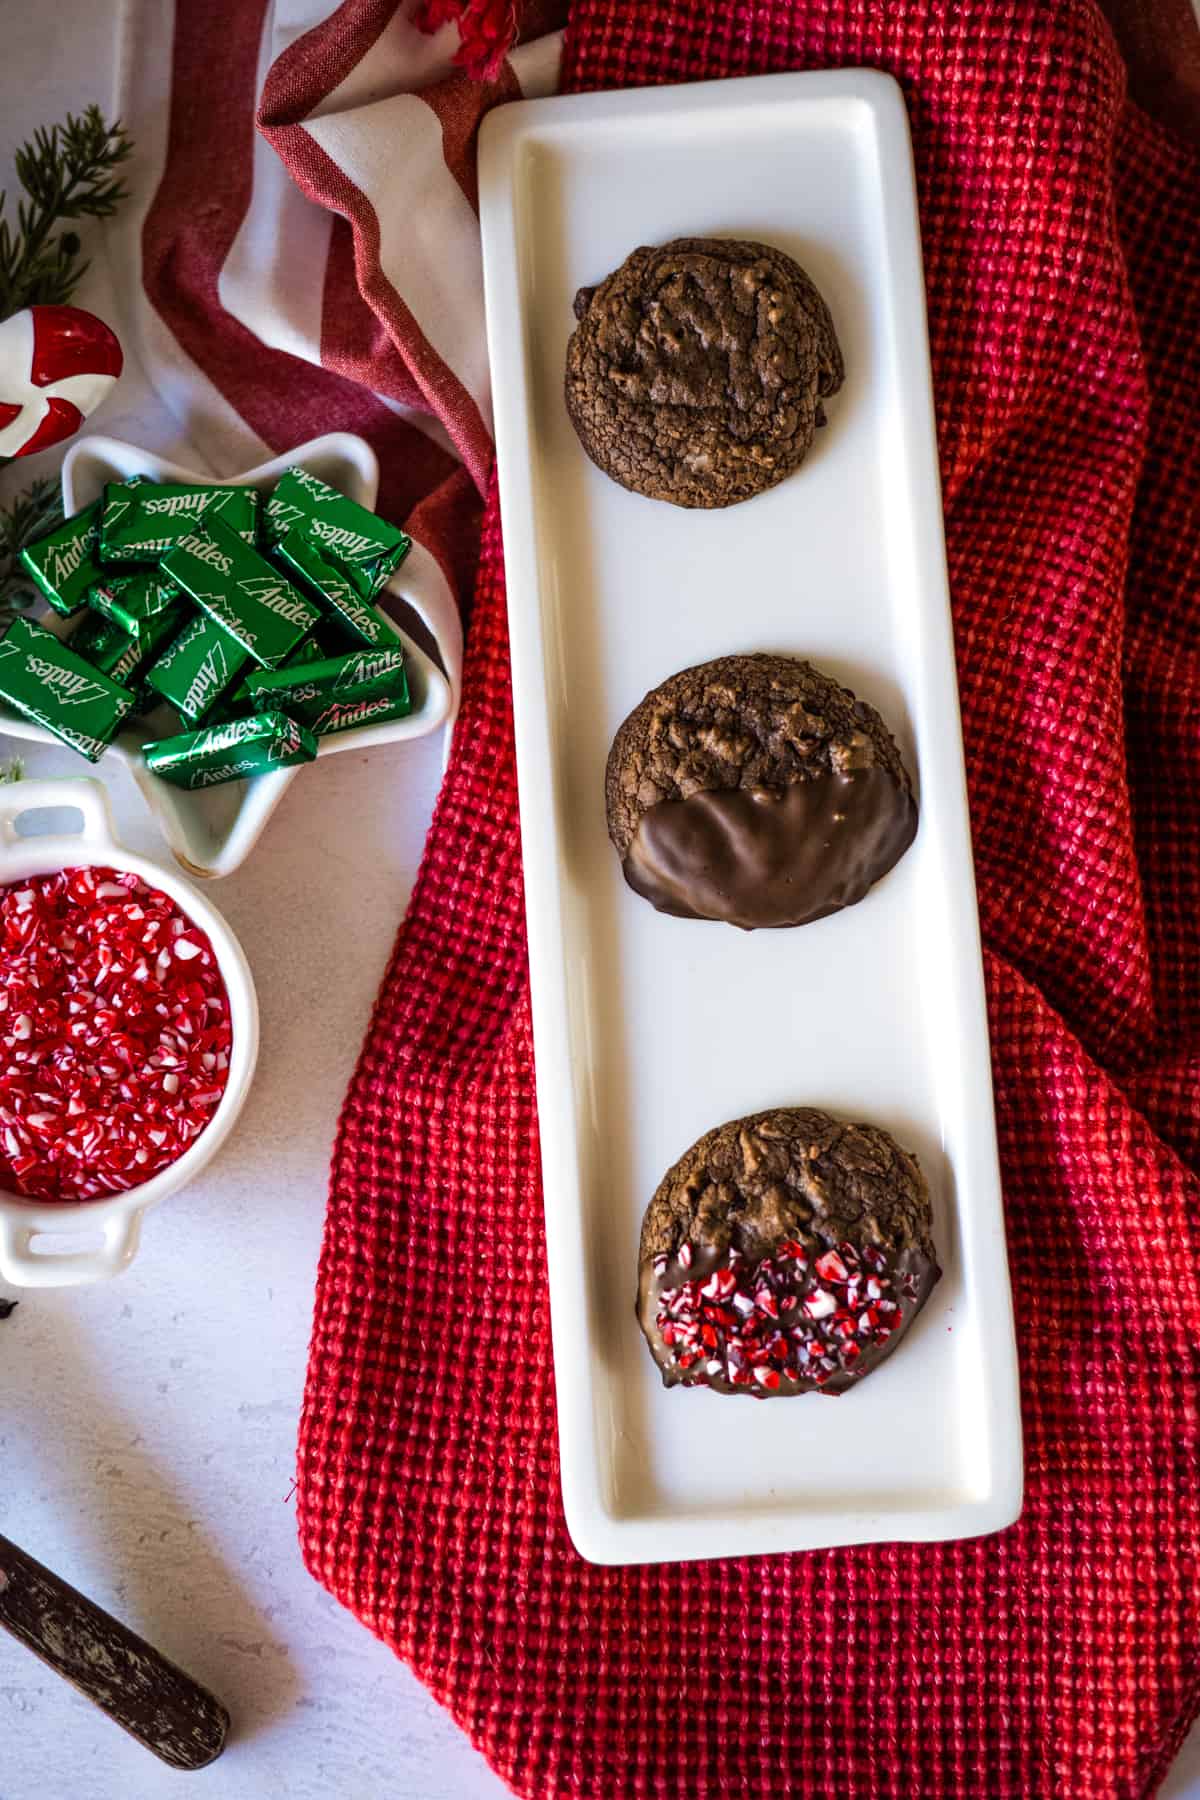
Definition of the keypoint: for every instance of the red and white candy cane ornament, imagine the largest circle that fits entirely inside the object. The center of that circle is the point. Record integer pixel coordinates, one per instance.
(57, 363)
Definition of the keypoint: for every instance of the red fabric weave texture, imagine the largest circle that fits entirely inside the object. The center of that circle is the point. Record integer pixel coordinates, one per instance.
(1058, 1658)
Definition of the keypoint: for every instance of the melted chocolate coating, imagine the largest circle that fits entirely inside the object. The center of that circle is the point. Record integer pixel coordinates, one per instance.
(754, 857)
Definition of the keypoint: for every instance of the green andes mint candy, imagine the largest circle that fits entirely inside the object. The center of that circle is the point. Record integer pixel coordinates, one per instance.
(142, 520)
(335, 593)
(64, 563)
(51, 684)
(231, 752)
(364, 547)
(199, 667)
(241, 592)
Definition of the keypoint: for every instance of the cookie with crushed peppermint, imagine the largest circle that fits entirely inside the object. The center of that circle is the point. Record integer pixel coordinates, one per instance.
(785, 1253)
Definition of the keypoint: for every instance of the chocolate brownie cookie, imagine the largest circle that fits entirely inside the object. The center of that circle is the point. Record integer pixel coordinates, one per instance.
(786, 1253)
(698, 370)
(758, 791)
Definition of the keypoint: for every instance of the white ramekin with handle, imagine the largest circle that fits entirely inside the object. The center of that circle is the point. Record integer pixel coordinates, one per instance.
(44, 1244)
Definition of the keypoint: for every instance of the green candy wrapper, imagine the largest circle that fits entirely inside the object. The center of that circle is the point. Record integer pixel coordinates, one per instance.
(123, 658)
(133, 601)
(198, 668)
(329, 696)
(52, 685)
(238, 703)
(365, 548)
(241, 592)
(348, 715)
(64, 563)
(339, 597)
(230, 752)
(108, 648)
(142, 520)
(307, 651)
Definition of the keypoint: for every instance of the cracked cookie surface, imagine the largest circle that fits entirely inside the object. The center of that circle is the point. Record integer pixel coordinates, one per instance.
(698, 370)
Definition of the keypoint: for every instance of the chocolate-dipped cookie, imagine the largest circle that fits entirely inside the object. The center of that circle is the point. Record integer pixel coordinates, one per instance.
(785, 1253)
(758, 791)
(698, 370)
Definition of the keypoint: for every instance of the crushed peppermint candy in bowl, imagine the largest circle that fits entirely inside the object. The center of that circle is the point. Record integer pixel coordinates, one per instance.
(128, 1035)
(114, 1033)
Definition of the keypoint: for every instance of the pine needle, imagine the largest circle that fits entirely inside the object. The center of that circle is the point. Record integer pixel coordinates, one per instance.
(66, 172)
(32, 514)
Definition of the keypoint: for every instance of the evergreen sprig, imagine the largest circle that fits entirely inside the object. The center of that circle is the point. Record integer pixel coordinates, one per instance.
(66, 172)
(30, 515)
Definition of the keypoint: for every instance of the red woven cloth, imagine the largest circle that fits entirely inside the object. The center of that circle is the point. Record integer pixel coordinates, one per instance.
(1058, 1658)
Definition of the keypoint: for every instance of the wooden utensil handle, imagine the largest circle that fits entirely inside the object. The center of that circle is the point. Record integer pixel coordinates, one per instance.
(154, 1701)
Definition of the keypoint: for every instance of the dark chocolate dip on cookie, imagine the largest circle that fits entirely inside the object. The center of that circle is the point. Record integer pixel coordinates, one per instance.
(757, 857)
(757, 791)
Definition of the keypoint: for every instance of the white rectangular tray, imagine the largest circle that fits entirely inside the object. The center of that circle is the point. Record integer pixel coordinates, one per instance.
(650, 1029)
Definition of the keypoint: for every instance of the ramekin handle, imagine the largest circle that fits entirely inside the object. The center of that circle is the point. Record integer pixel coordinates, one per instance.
(22, 1266)
(89, 797)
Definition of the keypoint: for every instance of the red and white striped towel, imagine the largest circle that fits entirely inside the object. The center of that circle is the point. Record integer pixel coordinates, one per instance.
(305, 218)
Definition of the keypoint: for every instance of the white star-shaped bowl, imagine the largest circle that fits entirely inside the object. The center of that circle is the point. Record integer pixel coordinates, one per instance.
(212, 833)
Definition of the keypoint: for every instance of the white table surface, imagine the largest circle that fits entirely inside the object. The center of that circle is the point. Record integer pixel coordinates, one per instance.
(147, 1426)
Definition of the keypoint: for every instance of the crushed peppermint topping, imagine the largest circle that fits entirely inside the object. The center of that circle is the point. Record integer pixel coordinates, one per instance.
(770, 1324)
(114, 1034)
